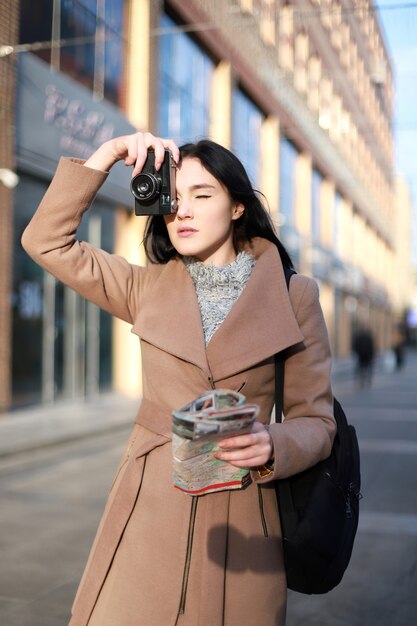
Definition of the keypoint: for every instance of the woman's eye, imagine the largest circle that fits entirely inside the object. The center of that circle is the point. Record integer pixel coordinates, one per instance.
(203, 196)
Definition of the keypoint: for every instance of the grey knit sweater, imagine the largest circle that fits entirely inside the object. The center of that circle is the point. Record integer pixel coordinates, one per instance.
(218, 288)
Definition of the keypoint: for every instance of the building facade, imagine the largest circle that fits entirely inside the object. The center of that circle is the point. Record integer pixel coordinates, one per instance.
(68, 59)
(301, 90)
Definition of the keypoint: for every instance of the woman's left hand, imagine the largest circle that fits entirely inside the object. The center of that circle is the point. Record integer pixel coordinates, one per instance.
(251, 450)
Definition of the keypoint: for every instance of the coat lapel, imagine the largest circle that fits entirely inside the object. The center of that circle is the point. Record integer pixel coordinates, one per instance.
(260, 323)
(169, 316)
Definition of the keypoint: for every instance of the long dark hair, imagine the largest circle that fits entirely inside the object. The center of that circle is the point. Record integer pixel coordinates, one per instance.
(229, 171)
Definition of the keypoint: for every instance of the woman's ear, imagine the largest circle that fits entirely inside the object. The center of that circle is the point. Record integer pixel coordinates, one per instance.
(238, 211)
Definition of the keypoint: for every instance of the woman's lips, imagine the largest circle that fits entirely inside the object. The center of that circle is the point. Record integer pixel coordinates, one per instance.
(186, 232)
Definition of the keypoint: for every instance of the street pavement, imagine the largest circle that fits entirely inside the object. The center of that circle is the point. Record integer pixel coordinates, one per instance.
(380, 585)
(57, 463)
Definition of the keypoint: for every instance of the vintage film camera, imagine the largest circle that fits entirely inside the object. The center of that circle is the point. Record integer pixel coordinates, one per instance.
(154, 191)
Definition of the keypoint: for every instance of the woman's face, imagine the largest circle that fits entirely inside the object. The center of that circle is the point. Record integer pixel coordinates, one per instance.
(202, 226)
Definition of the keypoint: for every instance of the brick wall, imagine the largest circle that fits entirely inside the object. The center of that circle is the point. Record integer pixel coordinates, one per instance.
(9, 21)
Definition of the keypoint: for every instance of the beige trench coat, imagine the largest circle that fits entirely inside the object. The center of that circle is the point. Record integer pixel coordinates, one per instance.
(161, 557)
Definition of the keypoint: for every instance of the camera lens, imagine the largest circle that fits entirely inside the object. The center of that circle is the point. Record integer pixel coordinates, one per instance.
(145, 187)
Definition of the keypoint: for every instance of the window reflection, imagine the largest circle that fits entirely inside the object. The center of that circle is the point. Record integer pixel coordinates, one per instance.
(316, 187)
(287, 162)
(54, 352)
(95, 57)
(79, 21)
(185, 76)
(246, 132)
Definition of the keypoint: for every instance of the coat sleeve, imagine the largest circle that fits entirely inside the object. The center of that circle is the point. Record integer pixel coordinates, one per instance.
(50, 239)
(306, 435)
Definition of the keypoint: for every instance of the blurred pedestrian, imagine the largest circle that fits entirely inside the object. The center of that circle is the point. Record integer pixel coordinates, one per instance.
(398, 346)
(364, 348)
(211, 309)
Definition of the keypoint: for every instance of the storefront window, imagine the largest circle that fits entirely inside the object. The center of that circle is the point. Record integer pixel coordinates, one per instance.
(27, 302)
(287, 160)
(62, 344)
(185, 76)
(246, 134)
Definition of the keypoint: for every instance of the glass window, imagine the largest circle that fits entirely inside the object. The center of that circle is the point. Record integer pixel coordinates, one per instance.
(36, 25)
(78, 21)
(113, 50)
(246, 133)
(27, 302)
(185, 76)
(316, 184)
(95, 26)
(287, 160)
(337, 220)
(62, 345)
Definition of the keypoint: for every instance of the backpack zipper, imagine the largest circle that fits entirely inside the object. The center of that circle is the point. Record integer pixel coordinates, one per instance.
(347, 494)
(188, 555)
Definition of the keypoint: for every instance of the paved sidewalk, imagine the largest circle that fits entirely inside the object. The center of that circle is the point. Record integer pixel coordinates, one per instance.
(39, 427)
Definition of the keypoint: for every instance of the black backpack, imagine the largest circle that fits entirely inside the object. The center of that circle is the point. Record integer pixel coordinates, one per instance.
(319, 508)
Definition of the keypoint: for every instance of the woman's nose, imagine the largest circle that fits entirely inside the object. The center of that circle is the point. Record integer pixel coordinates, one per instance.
(184, 209)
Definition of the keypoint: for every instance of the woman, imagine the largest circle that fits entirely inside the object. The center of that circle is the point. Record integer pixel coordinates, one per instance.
(211, 311)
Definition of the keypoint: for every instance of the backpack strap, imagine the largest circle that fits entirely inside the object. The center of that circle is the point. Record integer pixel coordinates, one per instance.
(280, 363)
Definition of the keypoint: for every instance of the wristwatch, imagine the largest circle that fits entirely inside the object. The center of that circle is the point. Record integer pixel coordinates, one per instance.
(265, 470)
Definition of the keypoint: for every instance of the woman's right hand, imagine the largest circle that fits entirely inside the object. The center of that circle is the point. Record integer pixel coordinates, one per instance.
(132, 149)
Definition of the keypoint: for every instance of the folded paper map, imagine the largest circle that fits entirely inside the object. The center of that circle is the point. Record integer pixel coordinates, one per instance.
(196, 430)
